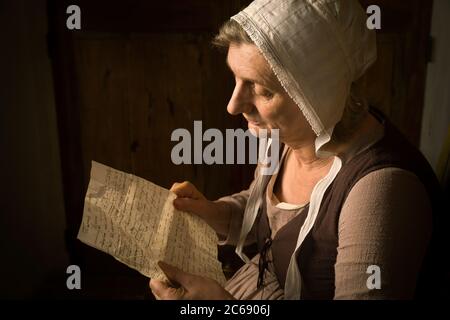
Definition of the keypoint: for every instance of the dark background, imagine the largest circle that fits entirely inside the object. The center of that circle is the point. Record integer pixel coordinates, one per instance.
(113, 92)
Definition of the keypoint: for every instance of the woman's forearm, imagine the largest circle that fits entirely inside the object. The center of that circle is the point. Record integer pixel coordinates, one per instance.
(222, 217)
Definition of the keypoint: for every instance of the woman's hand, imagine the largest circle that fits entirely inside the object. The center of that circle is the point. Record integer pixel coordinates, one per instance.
(186, 286)
(189, 199)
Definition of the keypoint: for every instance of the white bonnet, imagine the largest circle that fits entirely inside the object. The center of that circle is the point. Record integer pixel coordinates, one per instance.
(316, 48)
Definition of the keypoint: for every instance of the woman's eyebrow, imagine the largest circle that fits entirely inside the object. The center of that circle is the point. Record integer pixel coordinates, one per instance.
(263, 81)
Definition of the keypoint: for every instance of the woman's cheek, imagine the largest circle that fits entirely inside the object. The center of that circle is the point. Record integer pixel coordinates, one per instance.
(270, 114)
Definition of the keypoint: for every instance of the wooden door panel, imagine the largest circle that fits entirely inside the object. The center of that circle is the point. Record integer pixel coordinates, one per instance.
(396, 82)
(378, 80)
(141, 69)
(102, 75)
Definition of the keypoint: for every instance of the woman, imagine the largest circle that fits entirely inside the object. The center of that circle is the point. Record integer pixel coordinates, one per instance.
(348, 215)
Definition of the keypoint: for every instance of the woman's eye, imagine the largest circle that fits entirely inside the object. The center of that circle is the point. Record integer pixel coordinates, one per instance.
(264, 93)
(267, 94)
(259, 90)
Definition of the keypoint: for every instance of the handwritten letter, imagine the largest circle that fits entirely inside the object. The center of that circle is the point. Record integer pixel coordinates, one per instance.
(135, 221)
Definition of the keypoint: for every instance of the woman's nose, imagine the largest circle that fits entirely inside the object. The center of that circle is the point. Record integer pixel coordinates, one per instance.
(240, 101)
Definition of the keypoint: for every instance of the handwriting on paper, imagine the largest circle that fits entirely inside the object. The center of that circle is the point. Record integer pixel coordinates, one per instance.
(135, 221)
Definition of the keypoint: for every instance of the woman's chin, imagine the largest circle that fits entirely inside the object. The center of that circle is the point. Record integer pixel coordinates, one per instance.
(257, 130)
(253, 128)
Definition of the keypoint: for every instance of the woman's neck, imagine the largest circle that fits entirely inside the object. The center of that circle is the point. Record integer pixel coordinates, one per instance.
(306, 158)
(369, 129)
(305, 153)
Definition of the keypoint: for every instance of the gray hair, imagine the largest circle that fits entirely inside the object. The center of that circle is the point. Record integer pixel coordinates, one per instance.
(231, 32)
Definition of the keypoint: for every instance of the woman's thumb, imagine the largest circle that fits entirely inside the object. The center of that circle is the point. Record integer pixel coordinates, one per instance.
(189, 205)
(175, 275)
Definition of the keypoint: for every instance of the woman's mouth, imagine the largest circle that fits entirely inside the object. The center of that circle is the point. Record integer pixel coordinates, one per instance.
(252, 122)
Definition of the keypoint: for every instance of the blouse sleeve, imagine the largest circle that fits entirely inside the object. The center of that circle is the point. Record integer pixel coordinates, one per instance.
(236, 204)
(384, 229)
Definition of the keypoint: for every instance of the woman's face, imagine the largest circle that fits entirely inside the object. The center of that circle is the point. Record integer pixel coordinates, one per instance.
(260, 98)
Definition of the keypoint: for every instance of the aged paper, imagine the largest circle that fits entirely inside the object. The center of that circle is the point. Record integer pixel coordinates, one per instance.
(135, 221)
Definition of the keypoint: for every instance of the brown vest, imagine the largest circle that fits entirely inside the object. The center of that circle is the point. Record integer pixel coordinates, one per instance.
(317, 255)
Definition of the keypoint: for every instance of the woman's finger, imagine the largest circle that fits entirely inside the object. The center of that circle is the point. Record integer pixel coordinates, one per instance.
(162, 291)
(157, 287)
(194, 206)
(182, 189)
(186, 190)
(174, 274)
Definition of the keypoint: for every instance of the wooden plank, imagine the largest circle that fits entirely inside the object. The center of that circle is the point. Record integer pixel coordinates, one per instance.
(143, 16)
(378, 79)
(102, 73)
(165, 94)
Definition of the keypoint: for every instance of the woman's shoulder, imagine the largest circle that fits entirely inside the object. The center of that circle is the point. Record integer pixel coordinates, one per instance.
(388, 191)
(386, 203)
(385, 221)
(389, 179)
(391, 157)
